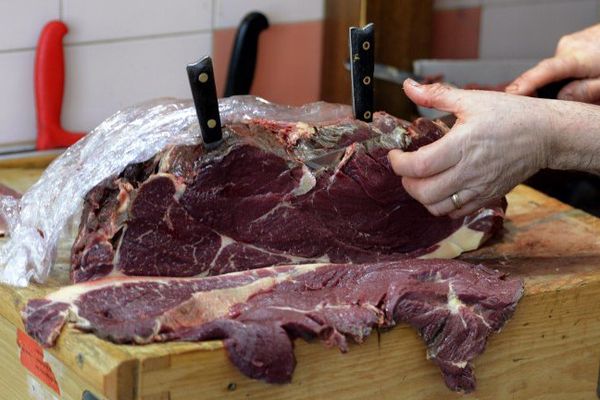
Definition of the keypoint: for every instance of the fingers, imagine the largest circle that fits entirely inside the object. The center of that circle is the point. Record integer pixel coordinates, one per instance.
(472, 207)
(467, 209)
(428, 160)
(438, 200)
(547, 71)
(433, 190)
(585, 90)
(447, 206)
(438, 96)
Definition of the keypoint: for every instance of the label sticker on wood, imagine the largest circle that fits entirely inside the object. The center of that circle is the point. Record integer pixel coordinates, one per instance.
(32, 358)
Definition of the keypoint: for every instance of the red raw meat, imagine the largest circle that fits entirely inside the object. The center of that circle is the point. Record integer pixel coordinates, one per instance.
(254, 203)
(453, 305)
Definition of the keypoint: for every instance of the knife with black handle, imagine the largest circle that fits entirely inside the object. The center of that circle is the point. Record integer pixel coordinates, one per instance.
(243, 56)
(362, 64)
(204, 92)
(392, 74)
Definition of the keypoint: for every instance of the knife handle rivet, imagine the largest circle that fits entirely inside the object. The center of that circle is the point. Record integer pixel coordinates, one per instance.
(367, 115)
(366, 45)
(211, 123)
(203, 77)
(367, 80)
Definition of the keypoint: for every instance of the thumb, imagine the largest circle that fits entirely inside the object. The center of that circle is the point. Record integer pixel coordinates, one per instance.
(585, 91)
(438, 96)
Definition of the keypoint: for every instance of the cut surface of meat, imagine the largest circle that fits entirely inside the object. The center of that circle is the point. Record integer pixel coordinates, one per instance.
(454, 306)
(253, 203)
(251, 244)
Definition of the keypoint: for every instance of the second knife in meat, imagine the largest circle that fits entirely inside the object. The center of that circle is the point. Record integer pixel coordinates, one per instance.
(362, 64)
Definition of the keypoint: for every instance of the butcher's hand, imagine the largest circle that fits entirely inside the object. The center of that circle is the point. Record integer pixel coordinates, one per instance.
(577, 56)
(498, 141)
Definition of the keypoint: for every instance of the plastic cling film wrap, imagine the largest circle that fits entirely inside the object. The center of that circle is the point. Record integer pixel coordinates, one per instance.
(36, 222)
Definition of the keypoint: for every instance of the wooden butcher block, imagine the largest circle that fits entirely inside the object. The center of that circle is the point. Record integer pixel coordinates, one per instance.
(549, 350)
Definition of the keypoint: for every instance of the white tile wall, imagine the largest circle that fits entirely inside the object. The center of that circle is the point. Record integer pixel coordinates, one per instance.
(17, 112)
(22, 20)
(118, 19)
(229, 13)
(117, 52)
(123, 52)
(104, 77)
(531, 30)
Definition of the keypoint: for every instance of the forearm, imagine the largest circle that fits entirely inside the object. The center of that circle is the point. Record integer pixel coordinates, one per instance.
(575, 137)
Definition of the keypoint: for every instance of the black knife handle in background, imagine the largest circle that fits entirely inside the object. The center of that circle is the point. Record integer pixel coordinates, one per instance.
(551, 90)
(362, 64)
(243, 56)
(204, 92)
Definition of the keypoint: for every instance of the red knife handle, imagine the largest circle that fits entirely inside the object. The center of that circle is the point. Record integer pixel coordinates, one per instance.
(49, 79)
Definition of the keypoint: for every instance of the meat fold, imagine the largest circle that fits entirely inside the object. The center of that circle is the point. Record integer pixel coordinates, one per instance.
(254, 203)
(453, 305)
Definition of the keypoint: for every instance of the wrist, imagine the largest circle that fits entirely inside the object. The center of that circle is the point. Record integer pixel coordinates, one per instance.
(552, 132)
(558, 133)
(573, 137)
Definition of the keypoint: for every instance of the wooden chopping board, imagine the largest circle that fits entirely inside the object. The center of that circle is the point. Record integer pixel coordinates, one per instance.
(549, 350)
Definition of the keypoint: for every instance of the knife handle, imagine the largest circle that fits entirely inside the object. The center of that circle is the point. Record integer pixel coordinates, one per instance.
(243, 56)
(204, 92)
(362, 64)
